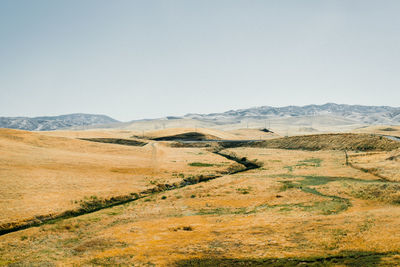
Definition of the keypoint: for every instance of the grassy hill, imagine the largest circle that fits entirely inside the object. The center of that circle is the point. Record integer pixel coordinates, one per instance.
(358, 142)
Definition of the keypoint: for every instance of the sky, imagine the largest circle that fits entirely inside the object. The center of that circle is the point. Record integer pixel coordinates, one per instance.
(148, 59)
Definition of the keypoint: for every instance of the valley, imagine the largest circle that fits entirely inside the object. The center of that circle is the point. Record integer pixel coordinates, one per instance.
(115, 197)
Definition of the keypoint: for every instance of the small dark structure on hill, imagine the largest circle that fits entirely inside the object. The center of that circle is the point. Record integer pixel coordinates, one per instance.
(265, 130)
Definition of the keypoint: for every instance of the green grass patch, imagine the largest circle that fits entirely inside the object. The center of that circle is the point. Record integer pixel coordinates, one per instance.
(331, 206)
(124, 260)
(244, 191)
(224, 211)
(383, 192)
(200, 164)
(114, 212)
(312, 162)
(289, 168)
(335, 204)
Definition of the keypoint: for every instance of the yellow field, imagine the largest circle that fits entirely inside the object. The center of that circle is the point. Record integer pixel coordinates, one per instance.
(43, 174)
(297, 208)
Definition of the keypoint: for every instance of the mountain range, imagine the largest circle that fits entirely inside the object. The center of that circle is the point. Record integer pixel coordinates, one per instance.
(346, 114)
(55, 122)
(357, 113)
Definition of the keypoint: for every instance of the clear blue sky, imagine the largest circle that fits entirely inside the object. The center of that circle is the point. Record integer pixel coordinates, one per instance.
(145, 59)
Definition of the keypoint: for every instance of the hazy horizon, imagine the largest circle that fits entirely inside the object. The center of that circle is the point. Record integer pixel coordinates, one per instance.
(181, 115)
(148, 59)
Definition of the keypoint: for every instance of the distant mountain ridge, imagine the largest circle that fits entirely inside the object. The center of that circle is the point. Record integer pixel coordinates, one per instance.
(330, 112)
(50, 123)
(357, 113)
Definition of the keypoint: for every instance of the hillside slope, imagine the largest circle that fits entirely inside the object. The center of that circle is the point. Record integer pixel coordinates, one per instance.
(347, 141)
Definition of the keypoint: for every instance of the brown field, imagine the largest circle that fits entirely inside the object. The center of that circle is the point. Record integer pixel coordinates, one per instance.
(303, 205)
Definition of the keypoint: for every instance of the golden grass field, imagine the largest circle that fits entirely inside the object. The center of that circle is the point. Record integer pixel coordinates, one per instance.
(298, 208)
(43, 174)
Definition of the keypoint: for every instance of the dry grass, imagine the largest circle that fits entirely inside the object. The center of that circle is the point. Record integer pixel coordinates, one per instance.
(252, 134)
(300, 207)
(358, 142)
(213, 134)
(382, 164)
(91, 133)
(380, 129)
(43, 175)
(210, 133)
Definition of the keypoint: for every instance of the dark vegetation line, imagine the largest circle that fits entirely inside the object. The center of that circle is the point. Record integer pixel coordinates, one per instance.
(118, 141)
(370, 171)
(95, 204)
(244, 161)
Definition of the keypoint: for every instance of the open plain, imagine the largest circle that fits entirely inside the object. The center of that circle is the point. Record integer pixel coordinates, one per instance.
(98, 198)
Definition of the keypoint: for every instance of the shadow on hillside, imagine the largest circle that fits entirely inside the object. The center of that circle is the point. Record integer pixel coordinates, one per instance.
(190, 136)
(347, 258)
(118, 141)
